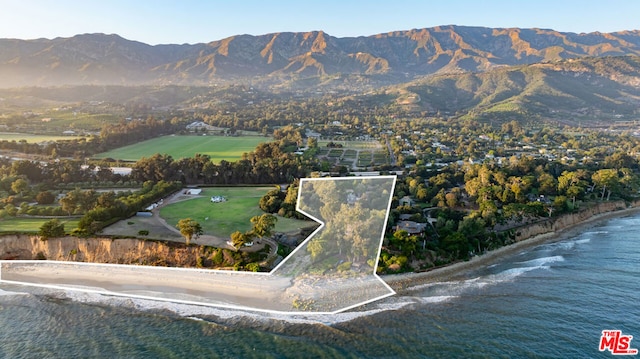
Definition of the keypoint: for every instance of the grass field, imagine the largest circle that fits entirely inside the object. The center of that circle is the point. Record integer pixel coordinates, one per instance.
(217, 147)
(32, 138)
(226, 217)
(32, 225)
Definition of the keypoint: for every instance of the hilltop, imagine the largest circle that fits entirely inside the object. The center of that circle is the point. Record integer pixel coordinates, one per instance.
(606, 87)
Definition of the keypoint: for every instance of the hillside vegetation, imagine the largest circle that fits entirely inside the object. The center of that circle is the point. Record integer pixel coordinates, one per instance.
(296, 60)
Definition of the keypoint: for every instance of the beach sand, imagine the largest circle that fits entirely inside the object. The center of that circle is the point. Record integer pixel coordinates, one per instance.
(237, 289)
(231, 289)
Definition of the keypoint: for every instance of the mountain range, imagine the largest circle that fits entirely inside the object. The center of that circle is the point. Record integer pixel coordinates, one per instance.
(295, 59)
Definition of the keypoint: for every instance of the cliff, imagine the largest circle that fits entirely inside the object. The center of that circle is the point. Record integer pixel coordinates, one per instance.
(565, 221)
(135, 251)
(99, 250)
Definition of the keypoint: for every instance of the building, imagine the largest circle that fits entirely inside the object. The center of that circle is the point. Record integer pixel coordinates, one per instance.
(413, 228)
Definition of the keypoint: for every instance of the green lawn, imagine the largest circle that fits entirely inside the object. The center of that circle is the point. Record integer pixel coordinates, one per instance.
(8, 136)
(217, 147)
(32, 225)
(226, 217)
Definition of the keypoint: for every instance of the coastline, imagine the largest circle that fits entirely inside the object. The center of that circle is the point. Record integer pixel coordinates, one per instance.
(527, 237)
(403, 283)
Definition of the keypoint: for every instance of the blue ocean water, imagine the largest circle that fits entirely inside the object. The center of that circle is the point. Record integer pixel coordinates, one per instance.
(551, 301)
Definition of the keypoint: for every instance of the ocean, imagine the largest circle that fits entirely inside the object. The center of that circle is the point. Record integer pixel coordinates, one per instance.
(549, 301)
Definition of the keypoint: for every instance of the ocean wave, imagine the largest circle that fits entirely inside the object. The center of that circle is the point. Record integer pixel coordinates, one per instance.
(437, 299)
(596, 232)
(564, 245)
(542, 261)
(216, 315)
(443, 291)
(583, 240)
(512, 273)
(439, 291)
(6, 293)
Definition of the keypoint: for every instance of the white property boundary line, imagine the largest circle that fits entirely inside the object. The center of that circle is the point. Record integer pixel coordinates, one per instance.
(273, 272)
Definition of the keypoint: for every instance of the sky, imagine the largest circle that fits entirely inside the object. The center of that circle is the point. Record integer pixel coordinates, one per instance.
(195, 21)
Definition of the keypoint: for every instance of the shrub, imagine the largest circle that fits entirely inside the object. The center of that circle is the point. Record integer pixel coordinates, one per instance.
(51, 229)
(252, 267)
(344, 267)
(143, 232)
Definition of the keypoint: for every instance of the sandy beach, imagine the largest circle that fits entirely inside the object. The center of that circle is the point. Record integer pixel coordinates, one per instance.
(239, 289)
(401, 282)
(233, 289)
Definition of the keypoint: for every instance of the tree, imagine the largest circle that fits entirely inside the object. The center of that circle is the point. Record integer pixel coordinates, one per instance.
(238, 239)
(451, 199)
(263, 225)
(572, 184)
(69, 202)
(457, 245)
(406, 242)
(51, 229)
(18, 186)
(608, 179)
(189, 229)
(45, 197)
(272, 201)
(312, 142)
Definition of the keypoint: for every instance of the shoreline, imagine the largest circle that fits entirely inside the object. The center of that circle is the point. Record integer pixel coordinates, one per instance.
(557, 229)
(402, 283)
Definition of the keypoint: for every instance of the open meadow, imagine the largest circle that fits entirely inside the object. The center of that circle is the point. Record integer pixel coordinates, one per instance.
(32, 225)
(217, 147)
(30, 138)
(222, 219)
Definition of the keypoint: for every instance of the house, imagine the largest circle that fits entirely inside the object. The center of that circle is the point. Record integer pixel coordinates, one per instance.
(351, 198)
(411, 227)
(406, 201)
(199, 125)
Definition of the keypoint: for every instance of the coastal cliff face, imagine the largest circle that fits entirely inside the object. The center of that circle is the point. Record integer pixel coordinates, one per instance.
(98, 250)
(135, 251)
(565, 221)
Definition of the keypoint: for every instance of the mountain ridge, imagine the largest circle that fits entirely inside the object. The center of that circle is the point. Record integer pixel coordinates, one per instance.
(276, 58)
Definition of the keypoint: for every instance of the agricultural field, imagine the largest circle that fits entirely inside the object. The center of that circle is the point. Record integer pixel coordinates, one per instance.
(30, 138)
(217, 147)
(222, 219)
(354, 154)
(32, 225)
(358, 145)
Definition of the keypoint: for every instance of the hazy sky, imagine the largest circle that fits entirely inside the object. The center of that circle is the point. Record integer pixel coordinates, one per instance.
(193, 21)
